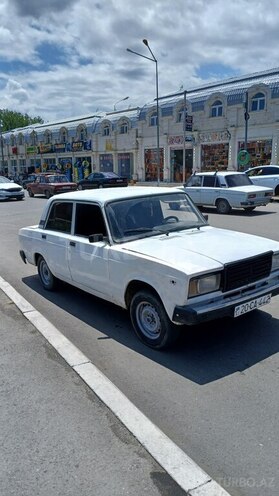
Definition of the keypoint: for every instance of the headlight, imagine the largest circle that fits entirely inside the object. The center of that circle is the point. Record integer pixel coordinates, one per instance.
(204, 284)
(275, 262)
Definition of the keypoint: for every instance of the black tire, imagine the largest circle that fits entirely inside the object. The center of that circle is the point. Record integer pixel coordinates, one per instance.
(47, 194)
(80, 188)
(30, 193)
(151, 322)
(48, 280)
(276, 192)
(223, 206)
(100, 186)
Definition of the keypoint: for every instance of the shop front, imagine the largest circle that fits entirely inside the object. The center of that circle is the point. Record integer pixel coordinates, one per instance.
(151, 164)
(214, 150)
(176, 158)
(106, 162)
(125, 164)
(259, 153)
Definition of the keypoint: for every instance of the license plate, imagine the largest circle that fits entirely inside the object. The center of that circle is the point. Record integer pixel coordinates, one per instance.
(252, 305)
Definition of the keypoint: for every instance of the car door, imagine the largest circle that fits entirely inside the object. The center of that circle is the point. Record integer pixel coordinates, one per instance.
(193, 188)
(210, 190)
(88, 261)
(55, 238)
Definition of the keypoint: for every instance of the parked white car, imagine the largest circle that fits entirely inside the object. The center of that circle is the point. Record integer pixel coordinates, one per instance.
(166, 267)
(265, 175)
(10, 190)
(226, 190)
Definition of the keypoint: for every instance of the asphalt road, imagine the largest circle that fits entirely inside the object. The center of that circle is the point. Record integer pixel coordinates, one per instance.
(215, 394)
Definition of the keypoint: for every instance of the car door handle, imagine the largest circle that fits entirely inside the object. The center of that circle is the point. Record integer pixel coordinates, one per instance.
(72, 243)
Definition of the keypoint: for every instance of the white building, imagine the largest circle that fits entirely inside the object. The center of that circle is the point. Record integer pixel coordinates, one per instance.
(221, 118)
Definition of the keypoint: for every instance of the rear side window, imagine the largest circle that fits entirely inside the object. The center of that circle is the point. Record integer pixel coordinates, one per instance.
(60, 217)
(89, 220)
(209, 181)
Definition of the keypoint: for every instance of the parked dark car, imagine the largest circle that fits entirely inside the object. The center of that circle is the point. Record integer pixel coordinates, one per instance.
(102, 180)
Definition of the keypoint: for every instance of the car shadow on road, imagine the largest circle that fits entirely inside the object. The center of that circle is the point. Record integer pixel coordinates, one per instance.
(203, 354)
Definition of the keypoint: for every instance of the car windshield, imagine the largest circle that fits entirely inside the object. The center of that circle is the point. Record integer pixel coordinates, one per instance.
(57, 179)
(151, 215)
(4, 179)
(234, 180)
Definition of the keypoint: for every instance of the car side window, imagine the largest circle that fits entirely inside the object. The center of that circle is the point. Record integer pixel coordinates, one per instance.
(89, 220)
(60, 217)
(194, 181)
(209, 181)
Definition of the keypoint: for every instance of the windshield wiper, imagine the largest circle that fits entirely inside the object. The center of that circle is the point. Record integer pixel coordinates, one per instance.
(155, 230)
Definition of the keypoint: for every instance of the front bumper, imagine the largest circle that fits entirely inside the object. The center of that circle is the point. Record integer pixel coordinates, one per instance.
(206, 310)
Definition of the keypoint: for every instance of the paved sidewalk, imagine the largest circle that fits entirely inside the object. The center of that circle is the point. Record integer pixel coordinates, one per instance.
(57, 437)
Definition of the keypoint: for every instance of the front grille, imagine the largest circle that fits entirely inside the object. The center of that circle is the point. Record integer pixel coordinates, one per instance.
(14, 190)
(246, 271)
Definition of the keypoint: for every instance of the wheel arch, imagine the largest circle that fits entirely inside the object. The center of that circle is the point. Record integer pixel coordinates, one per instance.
(135, 286)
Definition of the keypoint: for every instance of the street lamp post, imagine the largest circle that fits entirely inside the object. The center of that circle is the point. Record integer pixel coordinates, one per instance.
(153, 59)
(246, 117)
(2, 147)
(122, 100)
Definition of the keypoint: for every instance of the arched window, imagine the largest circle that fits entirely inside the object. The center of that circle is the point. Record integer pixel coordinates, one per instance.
(20, 139)
(181, 114)
(63, 136)
(82, 133)
(47, 137)
(106, 130)
(153, 119)
(12, 140)
(123, 127)
(258, 102)
(217, 109)
(33, 138)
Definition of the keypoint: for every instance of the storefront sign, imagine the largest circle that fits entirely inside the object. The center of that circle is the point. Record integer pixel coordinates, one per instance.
(46, 148)
(178, 140)
(215, 136)
(77, 146)
(14, 150)
(109, 145)
(31, 150)
(60, 147)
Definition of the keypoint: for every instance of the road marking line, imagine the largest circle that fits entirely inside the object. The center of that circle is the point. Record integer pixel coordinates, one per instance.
(188, 475)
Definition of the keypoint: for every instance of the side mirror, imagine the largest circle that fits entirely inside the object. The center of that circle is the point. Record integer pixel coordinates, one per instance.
(93, 238)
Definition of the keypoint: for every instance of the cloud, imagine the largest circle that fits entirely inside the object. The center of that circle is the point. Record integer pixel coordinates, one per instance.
(70, 58)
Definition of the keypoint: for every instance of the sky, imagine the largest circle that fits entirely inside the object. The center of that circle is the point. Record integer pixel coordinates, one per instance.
(64, 59)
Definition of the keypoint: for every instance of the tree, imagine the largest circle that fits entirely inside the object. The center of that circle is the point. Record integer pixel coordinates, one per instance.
(12, 120)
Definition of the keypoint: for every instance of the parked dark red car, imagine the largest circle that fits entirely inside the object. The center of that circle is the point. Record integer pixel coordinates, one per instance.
(50, 184)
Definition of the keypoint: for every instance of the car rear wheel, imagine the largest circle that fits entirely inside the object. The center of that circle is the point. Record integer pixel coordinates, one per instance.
(47, 194)
(277, 191)
(80, 188)
(48, 280)
(223, 206)
(30, 193)
(151, 322)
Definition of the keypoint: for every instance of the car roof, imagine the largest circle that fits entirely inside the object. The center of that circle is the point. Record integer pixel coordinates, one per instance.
(217, 173)
(264, 167)
(104, 195)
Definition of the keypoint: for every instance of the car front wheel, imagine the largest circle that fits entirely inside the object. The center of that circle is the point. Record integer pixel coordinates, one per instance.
(151, 322)
(30, 193)
(223, 206)
(48, 280)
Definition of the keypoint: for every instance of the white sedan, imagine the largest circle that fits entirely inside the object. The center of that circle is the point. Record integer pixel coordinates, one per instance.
(10, 190)
(265, 175)
(226, 190)
(167, 268)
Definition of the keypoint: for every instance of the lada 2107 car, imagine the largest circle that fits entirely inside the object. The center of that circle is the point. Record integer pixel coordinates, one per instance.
(226, 190)
(166, 267)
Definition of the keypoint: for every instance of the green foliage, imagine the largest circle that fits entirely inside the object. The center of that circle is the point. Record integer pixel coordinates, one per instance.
(13, 120)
